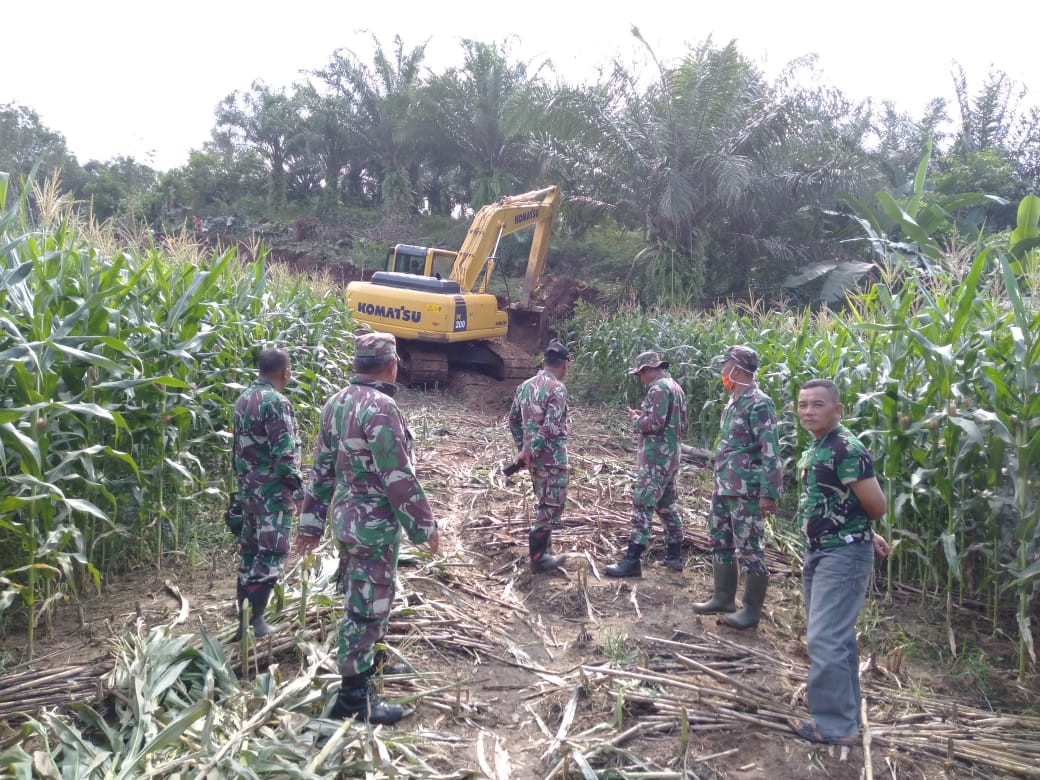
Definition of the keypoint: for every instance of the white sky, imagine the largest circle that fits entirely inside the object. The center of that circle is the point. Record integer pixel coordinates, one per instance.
(139, 78)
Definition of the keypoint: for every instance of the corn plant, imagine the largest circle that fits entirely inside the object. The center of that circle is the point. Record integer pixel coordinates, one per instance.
(938, 373)
(119, 371)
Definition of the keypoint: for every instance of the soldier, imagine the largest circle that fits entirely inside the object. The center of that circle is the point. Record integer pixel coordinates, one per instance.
(538, 422)
(660, 424)
(748, 482)
(364, 469)
(840, 499)
(270, 483)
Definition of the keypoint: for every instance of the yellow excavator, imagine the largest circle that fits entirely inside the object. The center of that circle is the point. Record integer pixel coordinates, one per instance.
(435, 301)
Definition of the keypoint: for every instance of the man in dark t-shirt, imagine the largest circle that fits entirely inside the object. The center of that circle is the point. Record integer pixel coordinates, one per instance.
(839, 499)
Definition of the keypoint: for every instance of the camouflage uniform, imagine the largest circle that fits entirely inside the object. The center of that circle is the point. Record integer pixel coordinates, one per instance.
(660, 427)
(538, 423)
(270, 481)
(363, 469)
(747, 467)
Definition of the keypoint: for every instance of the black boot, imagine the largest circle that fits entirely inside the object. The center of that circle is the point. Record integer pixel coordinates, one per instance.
(387, 663)
(240, 596)
(673, 557)
(628, 566)
(724, 597)
(754, 598)
(541, 561)
(258, 594)
(356, 699)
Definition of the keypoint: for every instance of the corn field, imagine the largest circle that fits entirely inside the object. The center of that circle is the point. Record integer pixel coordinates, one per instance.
(118, 369)
(938, 372)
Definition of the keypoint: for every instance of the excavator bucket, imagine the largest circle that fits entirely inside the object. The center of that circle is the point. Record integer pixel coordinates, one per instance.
(528, 328)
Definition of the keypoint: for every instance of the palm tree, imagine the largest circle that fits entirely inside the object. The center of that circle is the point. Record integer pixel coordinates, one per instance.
(383, 120)
(708, 159)
(477, 109)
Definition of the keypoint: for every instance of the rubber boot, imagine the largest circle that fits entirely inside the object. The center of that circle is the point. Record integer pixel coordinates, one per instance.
(259, 594)
(754, 598)
(240, 596)
(724, 597)
(356, 699)
(541, 561)
(629, 566)
(673, 556)
(387, 663)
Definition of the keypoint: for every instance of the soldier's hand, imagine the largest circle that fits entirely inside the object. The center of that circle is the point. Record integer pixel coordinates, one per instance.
(306, 544)
(633, 414)
(524, 457)
(434, 542)
(298, 503)
(767, 506)
(881, 548)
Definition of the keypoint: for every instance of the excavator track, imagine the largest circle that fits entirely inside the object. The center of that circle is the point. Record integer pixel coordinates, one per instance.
(433, 364)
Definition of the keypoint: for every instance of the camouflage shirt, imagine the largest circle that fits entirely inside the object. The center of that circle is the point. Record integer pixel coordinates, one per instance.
(266, 450)
(661, 425)
(538, 419)
(827, 506)
(747, 462)
(363, 469)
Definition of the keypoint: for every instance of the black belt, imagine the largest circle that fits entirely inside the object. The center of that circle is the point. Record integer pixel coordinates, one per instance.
(831, 541)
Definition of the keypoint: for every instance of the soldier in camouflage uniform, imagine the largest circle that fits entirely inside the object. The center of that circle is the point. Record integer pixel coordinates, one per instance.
(538, 422)
(840, 499)
(660, 424)
(748, 481)
(364, 471)
(270, 483)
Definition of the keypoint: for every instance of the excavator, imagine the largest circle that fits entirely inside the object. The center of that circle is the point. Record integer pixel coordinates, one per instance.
(435, 301)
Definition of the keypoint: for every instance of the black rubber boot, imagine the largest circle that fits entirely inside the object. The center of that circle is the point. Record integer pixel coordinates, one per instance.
(240, 596)
(387, 663)
(673, 556)
(259, 593)
(629, 566)
(356, 699)
(541, 561)
(754, 598)
(725, 597)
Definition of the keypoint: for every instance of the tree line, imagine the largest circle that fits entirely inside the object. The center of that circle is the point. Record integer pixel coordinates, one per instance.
(732, 181)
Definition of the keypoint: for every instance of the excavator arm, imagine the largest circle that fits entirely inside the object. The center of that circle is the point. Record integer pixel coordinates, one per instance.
(508, 215)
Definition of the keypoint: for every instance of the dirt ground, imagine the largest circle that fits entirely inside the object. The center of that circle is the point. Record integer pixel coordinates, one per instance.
(539, 661)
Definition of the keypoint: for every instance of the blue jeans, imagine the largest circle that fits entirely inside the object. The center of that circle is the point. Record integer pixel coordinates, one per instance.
(835, 584)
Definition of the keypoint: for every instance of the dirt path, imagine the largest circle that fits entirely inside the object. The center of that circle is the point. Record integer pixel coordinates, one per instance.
(551, 671)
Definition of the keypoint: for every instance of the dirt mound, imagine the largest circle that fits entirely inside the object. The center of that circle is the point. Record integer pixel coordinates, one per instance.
(560, 294)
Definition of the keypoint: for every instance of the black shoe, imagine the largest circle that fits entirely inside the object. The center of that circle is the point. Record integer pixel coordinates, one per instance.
(673, 557)
(356, 699)
(629, 566)
(723, 598)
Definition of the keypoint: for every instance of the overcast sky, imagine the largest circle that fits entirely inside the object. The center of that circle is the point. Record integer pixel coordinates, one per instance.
(142, 79)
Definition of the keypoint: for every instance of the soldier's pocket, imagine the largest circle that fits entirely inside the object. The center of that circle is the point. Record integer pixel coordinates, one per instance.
(370, 590)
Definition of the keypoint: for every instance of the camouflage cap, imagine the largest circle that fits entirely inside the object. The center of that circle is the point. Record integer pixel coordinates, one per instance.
(557, 351)
(648, 360)
(375, 345)
(745, 357)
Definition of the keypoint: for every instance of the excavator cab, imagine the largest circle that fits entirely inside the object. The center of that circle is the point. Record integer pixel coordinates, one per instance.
(420, 260)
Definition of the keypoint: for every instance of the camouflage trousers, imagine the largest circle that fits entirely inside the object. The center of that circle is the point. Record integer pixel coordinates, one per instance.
(737, 526)
(550, 495)
(654, 490)
(367, 576)
(264, 544)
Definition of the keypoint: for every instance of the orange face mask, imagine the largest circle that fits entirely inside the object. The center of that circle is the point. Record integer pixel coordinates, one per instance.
(727, 382)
